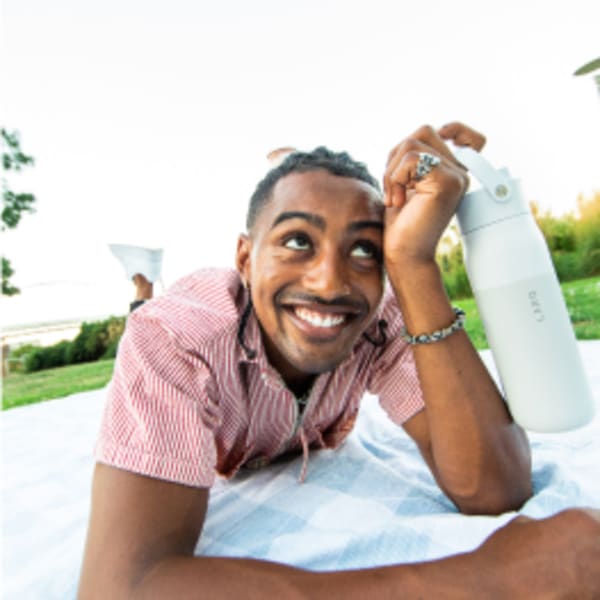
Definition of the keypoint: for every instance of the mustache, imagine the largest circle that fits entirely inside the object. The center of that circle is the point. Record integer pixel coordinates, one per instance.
(347, 302)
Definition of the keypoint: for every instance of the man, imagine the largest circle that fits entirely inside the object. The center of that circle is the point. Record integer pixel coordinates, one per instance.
(230, 369)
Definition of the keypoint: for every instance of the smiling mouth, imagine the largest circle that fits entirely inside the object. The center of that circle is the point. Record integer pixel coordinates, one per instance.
(319, 319)
(321, 326)
(322, 321)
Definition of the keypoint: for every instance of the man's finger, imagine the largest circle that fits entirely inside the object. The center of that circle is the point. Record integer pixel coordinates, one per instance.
(426, 136)
(400, 170)
(462, 135)
(429, 136)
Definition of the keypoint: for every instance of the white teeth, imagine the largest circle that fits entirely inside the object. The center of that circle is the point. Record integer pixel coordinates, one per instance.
(319, 319)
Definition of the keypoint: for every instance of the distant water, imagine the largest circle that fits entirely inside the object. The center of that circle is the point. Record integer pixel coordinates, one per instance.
(63, 301)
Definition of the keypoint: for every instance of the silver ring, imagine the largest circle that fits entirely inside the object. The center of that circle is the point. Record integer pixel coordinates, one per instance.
(426, 164)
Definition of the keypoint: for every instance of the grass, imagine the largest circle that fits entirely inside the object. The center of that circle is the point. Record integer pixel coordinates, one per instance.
(19, 389)
(583, 301)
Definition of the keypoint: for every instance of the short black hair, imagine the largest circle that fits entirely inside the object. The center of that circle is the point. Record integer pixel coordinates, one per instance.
(336, 163)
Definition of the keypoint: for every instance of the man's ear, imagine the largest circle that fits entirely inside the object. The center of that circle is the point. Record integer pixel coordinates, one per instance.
(242, 257)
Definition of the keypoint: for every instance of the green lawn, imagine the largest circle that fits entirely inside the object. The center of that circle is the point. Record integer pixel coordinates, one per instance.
(19, 389)
(582, 299)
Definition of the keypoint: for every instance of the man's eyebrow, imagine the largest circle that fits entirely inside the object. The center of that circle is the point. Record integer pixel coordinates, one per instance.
(319, 222)
(358, 225)
(297, 214)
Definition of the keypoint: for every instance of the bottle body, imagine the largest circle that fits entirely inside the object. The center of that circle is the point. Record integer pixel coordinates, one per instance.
(527, 323)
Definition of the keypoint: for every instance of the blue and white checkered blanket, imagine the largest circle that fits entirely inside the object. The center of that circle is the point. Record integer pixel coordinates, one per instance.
(371, 502)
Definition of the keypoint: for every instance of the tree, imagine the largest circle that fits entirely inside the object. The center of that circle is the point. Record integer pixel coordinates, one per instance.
(13, 204)
(590, 67)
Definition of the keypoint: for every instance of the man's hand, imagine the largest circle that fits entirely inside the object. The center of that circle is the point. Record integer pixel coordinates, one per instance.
(557, 557)
(418, 210)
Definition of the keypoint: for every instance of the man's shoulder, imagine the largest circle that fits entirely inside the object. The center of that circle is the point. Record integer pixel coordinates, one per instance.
(198, 308)
(207, 287)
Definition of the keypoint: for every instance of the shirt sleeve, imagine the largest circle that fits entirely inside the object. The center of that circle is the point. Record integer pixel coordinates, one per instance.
(158, 419)
(394, 377)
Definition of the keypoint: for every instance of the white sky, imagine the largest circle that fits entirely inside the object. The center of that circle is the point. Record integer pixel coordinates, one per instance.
(150, 120)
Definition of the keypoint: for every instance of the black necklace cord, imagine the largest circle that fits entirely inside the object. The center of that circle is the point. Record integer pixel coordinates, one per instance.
(250, 353)
(381, 326)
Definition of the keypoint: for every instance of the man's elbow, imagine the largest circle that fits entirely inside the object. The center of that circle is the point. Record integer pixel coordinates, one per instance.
(502, 485)
(497, 498)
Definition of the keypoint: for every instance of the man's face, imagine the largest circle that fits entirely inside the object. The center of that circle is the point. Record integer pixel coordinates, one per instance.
(313, 262)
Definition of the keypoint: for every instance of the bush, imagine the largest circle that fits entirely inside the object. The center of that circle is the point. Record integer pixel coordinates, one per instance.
(568, 265)
(574, 240)
(55, 356)
(111, 350)
(88, 345)
(21, 351)
(33, 361)
(16, 357)
(454, 273)
(95, 340)
(587, 233)
(591, 262)
(47, 357)
(558, 232)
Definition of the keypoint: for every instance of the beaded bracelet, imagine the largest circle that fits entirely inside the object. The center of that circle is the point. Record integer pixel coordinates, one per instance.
(440, 334)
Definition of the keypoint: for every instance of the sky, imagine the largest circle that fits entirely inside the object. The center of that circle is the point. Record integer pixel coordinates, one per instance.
(150, 120)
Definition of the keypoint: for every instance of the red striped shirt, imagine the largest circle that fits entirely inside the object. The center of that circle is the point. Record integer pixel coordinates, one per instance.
(186, 402)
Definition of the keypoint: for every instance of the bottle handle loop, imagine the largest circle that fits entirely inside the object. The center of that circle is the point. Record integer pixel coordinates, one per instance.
(495, 182)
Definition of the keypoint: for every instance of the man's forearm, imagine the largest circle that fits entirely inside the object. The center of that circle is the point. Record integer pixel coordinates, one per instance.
(480, 457)
(225, 578)
(553, 557)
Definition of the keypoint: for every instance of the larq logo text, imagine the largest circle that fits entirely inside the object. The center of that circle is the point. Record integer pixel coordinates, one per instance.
(536, 306)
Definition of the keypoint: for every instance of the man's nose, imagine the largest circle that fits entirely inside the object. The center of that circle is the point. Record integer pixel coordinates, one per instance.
(326, 276)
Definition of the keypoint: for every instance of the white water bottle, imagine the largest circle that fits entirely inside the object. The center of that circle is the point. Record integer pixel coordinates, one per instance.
(521, 304)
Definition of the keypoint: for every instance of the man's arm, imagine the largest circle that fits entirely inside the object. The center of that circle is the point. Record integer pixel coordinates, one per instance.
(478, 455)
(143, 532)
(141, 540)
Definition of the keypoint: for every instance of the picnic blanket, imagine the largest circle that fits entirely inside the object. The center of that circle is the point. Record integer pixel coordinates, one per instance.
(371, 502)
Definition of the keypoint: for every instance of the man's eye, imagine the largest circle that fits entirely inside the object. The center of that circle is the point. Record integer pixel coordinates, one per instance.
(297, 242)
(364, 250)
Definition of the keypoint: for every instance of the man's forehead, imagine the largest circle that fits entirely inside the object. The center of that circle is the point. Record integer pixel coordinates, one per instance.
(323, 194)
(305, 185)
